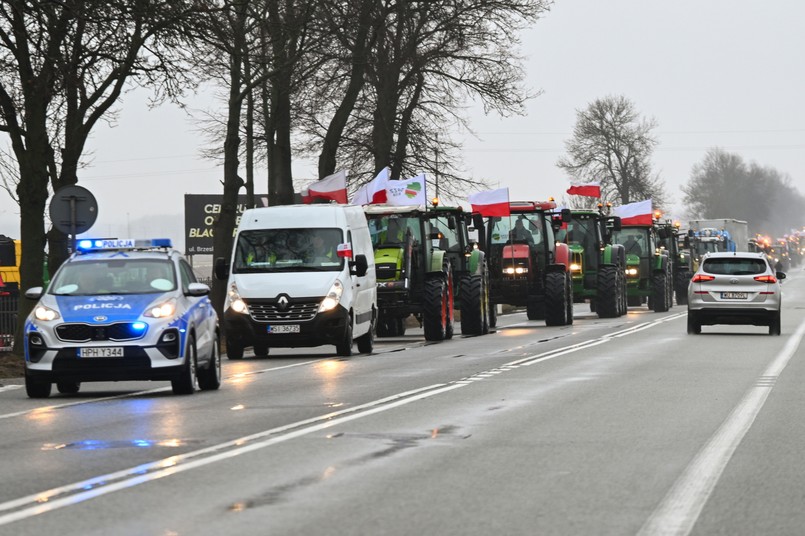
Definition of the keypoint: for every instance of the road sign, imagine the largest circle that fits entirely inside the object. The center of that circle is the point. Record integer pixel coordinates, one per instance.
(73, 210)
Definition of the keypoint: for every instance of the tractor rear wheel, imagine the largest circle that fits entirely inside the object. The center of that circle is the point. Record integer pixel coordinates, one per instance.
(555, 299)
(681, 281)
(569, 299)
(434, 312)
(659, 288)
(608, 299)
(471, 298)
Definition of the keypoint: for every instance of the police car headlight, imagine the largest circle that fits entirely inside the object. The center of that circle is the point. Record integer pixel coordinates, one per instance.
(333, 297)
(45, 313)
(161, 310)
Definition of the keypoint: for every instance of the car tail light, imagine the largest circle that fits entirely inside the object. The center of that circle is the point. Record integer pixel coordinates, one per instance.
(766, 278)
(698, 278)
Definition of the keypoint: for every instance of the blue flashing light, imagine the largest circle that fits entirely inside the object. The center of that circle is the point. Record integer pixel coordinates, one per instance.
(86, 245)
(138, 326)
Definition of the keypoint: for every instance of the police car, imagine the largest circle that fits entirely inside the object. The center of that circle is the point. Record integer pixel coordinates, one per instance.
(122, 310)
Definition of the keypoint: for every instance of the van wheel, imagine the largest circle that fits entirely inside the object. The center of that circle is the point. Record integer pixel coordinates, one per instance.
(36, 389)
(260, 350)
(68, 388)
(366, 343)
(234, 348)
(344, 348)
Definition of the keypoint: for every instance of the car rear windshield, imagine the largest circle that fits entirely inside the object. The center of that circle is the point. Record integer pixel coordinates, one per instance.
(735, 266)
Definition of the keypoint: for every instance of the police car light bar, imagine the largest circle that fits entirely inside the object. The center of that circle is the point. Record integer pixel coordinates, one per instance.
(100, 244)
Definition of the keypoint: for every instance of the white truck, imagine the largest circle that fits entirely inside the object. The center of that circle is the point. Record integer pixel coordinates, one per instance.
(736, 237)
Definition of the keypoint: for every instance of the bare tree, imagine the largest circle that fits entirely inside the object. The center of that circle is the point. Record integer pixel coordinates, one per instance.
(63, 66)
(612, 145)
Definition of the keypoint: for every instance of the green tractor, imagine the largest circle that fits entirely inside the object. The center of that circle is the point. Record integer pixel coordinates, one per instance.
(526, 265)
(426, 266)
(678, 247)
(597, 266)
(649, 268)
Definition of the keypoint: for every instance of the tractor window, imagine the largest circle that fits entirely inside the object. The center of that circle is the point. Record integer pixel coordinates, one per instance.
(634, 241)
(447, 237)
(393, 230)
(522, 228)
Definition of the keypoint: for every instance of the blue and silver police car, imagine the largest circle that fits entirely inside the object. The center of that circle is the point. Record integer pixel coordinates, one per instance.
(122, 310)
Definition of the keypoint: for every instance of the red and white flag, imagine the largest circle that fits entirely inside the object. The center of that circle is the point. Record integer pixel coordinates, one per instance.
(373, 192)
(589, 189)
(332, 187)
(491, 202)
(638, 213)
(407, 191)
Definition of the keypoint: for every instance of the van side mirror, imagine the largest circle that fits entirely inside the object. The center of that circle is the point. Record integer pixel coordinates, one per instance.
(221, 269)
(359, 266)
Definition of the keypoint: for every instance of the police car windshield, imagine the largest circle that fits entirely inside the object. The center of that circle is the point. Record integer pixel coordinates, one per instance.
(114, 276)
(288, 250)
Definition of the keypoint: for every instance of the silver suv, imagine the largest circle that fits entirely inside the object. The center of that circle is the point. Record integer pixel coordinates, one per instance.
(734, 288)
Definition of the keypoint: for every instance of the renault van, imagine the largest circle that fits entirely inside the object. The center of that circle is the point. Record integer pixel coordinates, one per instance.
(300, 276)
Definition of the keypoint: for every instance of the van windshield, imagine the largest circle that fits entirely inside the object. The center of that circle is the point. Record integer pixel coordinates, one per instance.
(288, 250)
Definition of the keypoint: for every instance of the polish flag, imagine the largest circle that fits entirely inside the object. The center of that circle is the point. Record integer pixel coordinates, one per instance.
(491, 202)
(373, 192)
(589, 189)
(332, 187)
(635, 213)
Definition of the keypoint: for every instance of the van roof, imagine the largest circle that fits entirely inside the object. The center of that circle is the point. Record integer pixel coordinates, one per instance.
(291, 216)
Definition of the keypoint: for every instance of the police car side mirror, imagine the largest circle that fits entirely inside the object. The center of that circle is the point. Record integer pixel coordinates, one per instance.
(221, 269)
(34, 293)
(360, 265)
(197, 289)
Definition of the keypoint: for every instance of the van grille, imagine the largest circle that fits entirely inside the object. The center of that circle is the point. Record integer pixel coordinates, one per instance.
(272, 311)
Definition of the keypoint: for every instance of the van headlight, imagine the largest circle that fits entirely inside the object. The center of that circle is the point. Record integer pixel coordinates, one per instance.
(333, 297)
(236, 303)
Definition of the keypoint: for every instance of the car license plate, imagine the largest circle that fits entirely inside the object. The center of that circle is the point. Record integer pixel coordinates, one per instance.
(733, 295)
(285, 328)
(114, 351)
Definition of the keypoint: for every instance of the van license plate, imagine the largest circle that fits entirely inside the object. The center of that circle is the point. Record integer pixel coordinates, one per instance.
(733, 295)
(116, 351)
(285, 328)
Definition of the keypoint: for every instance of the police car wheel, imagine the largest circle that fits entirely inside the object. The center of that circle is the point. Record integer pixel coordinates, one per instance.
(68, 388)
(185, 383)
(209, 378)
(36, 389)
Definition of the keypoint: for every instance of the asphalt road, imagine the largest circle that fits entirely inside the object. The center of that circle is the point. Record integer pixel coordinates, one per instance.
(621, 426)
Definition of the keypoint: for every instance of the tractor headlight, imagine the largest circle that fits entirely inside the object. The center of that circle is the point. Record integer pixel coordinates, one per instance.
(515, 270)
(575, 267)
(333, 297)
(632, 272)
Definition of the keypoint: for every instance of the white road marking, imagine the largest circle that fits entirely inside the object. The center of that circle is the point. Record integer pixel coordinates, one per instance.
(10, 388)
(49, 500)
(679, 510)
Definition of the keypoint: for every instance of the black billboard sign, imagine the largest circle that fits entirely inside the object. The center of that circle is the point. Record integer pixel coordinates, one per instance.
(200, 211)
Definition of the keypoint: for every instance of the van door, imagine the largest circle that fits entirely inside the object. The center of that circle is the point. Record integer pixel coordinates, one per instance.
(363, 287)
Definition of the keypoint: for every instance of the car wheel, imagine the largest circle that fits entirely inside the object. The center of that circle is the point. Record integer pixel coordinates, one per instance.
(185, 382)
(68, 388)
(209, 378)
(36, 389)
(694, 326)
(774, 326)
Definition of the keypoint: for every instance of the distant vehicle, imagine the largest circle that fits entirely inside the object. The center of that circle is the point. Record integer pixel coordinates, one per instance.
(300, 276)
(735, 288)
(122, 310)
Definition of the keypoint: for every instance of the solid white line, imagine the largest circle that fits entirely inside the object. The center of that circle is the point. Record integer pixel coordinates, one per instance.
(10, 388)
(679, 510)
(70, 494)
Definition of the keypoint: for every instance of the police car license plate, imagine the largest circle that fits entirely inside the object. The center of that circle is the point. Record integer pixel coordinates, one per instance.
(733, 295)
(285, 328)
(113, 351)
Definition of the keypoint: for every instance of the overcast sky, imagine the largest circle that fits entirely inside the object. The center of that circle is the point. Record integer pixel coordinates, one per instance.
(724, 73)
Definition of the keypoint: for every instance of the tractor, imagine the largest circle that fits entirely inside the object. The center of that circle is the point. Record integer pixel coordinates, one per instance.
(649, 268)
(597, 266)
(426, 266)
(678, 247)
(526, 265)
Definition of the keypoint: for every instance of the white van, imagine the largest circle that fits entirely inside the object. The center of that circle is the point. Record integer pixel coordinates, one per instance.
(300, 275)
